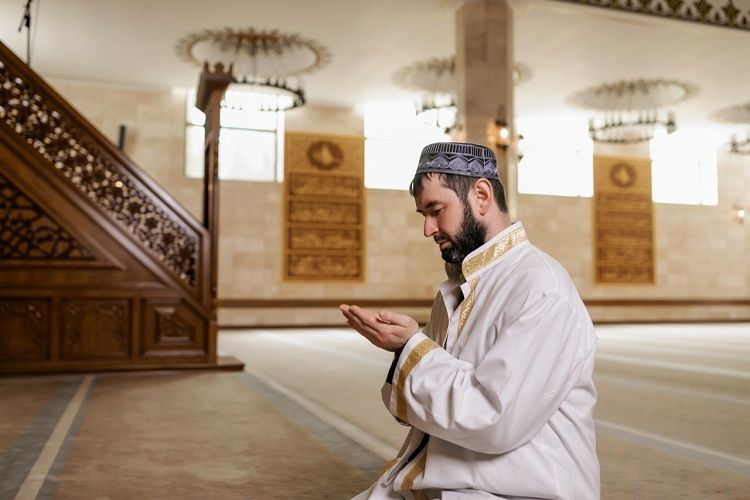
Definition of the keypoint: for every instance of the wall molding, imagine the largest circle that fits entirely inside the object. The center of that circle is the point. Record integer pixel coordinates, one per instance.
(282, 326)
(251, 303)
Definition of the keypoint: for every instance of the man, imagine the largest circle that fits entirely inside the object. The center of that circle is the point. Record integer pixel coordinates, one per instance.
(497, 388)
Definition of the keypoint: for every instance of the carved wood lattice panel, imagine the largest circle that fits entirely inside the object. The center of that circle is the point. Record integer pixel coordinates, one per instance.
(27, 112)
(24, 329)
(96, 329)
(623, 221)
(28, 232)
(324, 227)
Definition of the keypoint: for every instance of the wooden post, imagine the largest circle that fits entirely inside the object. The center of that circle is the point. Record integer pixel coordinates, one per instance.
(213, 84)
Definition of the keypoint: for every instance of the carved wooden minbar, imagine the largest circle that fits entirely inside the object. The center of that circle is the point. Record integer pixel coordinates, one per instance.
(100, 268)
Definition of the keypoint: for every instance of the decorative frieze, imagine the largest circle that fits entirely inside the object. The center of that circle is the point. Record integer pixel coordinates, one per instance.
(721, 13)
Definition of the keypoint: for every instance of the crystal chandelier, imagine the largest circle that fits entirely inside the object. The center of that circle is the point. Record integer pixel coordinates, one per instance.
(627, 127)
(739, 115)
(740, 145)
(438, 110)
(266, 65)
(632, 111)
(435, 79)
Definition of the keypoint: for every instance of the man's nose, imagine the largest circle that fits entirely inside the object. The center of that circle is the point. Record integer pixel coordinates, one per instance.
(430, 228)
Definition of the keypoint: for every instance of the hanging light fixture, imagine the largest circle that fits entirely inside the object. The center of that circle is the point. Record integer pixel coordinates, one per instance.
(631, 111)
(740, 145)
(266, 65)
(498, 132)
(439, 110)
(739, 115)
(435, 79)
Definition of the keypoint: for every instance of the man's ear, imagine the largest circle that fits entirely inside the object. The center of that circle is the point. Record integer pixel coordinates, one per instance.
(484, 195)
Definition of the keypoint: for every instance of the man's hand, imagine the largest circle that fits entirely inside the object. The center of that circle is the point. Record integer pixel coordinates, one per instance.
(387, 330)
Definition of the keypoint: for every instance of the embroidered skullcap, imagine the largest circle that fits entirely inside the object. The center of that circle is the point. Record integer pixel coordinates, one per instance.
(458, 158)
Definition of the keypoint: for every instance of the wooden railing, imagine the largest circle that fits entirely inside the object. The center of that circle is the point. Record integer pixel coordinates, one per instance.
(100, 267)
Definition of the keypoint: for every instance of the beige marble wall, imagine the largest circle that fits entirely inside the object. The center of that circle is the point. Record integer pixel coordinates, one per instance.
(701, 252)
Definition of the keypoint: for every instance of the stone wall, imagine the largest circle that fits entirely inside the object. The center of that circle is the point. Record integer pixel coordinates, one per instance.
(701, 251)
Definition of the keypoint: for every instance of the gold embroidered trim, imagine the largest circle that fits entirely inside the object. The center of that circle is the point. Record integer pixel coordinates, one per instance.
(420, 495)
(415, 471)
(494, 252)
(467, 306)
(414, 357)
(388, 465)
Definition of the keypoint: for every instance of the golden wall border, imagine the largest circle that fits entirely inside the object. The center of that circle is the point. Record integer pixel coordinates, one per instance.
(623, 222)
(324, 173)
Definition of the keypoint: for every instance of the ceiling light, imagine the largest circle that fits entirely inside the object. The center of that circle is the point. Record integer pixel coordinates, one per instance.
(266, 63)
(631, 111)
(435, 79)
(739, 115)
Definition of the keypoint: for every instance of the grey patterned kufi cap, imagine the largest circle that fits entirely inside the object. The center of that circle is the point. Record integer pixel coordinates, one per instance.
(458, 158)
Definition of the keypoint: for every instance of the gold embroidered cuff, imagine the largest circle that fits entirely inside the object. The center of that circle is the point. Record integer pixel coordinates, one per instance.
(414, 357)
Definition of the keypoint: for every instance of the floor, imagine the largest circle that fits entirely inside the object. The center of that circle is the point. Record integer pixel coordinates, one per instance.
(305, 421)
(673, 417)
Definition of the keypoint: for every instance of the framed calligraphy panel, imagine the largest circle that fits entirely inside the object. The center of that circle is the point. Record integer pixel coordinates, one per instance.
(623, 221)
(324, 208)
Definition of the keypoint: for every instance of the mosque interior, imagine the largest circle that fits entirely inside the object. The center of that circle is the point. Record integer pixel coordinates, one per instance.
(170, 334)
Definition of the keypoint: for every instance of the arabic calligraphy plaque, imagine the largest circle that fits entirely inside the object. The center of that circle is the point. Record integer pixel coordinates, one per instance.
(623, 221)
(324, 207)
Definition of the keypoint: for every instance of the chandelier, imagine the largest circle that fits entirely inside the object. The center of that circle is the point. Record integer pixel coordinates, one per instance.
(632, 111)
(265, 64)
(435, 79)
(739, 115)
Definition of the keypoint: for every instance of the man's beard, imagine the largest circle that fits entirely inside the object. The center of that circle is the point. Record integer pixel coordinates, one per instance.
(470, 237)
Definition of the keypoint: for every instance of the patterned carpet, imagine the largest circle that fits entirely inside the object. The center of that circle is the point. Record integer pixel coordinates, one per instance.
(306, 421)
(187, 435)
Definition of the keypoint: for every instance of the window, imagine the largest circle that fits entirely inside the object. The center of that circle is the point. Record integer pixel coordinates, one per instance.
(558, 156)
(683, 167)
(251, 141)
(394, 138)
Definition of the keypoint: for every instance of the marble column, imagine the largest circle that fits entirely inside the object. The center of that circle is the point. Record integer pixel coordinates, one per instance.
(484, 79)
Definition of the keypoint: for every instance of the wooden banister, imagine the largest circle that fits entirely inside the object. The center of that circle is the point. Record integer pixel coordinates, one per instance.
(138, 289)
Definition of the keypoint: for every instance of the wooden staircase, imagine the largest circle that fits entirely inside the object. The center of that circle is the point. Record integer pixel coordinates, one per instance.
(100, 268)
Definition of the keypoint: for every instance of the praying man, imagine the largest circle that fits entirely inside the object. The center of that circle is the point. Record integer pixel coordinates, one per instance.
(497, 388)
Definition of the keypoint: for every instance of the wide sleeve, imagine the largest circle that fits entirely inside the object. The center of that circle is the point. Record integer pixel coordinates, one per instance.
(503, 401)
(434, 329)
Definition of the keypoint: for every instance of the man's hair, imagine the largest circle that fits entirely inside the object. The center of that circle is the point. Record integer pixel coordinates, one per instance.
(460, 184)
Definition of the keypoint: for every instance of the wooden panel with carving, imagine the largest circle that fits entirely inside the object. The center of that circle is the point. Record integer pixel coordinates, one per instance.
(324, 237)
(623, 221)
(28, 232)
(24, 329)
(171, 328)
(96, 329)
(100, 267)
(83, 159)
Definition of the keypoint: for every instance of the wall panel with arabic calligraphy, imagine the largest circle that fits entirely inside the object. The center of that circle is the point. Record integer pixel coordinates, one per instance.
(623, 221)
(324, 207)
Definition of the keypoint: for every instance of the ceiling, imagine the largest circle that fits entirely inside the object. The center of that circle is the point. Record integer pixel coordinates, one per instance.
(567, 47)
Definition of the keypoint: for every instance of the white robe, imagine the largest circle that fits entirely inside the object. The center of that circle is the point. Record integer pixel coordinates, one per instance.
(498, 386)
